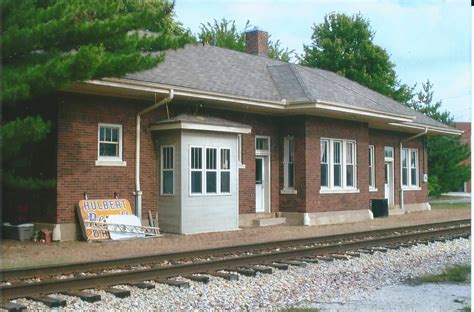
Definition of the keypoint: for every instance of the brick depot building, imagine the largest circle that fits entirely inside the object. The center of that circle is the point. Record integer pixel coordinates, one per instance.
(465, 139)
(227, 138)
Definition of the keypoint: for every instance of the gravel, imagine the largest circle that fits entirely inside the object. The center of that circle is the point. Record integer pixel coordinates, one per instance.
(337, 285)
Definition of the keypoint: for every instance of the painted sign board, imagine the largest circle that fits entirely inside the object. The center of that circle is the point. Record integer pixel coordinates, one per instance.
(98, 210)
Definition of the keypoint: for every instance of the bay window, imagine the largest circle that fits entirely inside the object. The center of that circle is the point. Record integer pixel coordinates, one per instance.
(213, 176)
(338, 165)
(167, 170)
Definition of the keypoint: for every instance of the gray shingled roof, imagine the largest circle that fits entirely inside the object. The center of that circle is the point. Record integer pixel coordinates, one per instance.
(209, 68)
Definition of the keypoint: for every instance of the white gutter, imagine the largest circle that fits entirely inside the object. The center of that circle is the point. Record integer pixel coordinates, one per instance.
(138, 192)
(401, 168)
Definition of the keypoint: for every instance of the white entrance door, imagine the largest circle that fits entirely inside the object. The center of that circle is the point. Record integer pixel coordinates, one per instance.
(388, 183)
(259, 184)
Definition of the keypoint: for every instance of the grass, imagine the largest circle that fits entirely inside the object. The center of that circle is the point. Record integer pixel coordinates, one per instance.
(454, 274)
(466, 309)
(450, 206)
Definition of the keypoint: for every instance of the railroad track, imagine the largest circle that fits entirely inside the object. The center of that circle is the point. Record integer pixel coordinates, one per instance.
(228, 262)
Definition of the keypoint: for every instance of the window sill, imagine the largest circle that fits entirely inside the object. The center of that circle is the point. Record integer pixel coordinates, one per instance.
(288, 191)
(111, 163)
(371, 189)
(338, 191)
(411, 188)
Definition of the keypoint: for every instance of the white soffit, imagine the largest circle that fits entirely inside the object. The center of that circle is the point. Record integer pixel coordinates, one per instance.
(180, 125)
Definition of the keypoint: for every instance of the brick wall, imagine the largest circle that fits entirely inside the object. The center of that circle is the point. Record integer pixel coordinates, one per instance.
(316, 128)
(78, 119)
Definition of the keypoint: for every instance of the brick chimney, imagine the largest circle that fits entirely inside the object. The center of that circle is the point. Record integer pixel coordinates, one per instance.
(256, 42)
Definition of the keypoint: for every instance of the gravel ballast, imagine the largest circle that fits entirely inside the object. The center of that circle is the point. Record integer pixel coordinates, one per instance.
(327, 285)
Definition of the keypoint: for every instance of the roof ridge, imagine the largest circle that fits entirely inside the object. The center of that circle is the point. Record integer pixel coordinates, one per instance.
(301, 82)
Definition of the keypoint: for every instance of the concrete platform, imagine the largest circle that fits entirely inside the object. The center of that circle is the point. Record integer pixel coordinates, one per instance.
(269, 221)
(28, 253)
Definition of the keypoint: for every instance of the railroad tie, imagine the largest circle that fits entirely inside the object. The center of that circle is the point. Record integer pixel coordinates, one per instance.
(244, 271)
(226, 276)
(119, 293)
(173, 282)
(262, 269)
(142, 285)
(392, 247)
(339, 257)
(324, 258)
(50, 302)
(198, 278)
(353, 254)
(381, 249)
(294, 263)
(84, 296)
(279, 266)
(366, 251)
(12, 307)
(310, 260)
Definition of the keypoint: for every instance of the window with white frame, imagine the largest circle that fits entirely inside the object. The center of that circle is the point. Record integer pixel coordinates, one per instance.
(371, 167)
(212, 177)
(225, 170)
(289, 163)
(262, 143)
(239, 151)
(167, 170)
(109, 143)
(196, 170)
(410, 167)
(211, 170)
(338, 164)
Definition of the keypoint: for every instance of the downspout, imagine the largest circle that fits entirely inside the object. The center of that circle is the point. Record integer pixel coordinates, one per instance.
(138, 192)
(401, 168)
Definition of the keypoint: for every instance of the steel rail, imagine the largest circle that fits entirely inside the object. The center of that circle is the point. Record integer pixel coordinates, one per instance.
(24, 289)
(92, 266)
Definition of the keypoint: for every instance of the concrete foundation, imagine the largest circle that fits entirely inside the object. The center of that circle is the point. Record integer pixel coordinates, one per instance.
(328, 217)
(247, 219)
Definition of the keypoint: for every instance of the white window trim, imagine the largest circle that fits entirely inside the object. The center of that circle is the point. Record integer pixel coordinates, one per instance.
(331, 189)
(239, 152)
(219, 165)
(162, 169)
(115, 161)
(287, 189)
(409, 186)
(372, 188)
(259, 152)
(204, 170)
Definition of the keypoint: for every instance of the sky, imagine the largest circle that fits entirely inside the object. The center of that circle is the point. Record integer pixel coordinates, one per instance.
(425, 39)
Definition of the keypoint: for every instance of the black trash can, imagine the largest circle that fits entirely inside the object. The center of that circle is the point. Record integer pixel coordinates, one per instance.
(379, 207)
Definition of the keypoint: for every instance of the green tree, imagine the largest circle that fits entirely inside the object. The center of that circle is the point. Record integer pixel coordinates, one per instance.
(445, 153)
(47, 45)
(344, 44)
(224, 34)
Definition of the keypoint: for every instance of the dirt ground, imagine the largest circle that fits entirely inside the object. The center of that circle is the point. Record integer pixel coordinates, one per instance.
(21, 254)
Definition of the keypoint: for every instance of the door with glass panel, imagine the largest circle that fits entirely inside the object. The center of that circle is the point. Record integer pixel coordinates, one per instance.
(259, 184)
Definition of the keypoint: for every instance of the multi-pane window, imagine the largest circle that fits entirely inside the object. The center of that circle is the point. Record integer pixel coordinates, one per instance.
(110, 142)
(388, 152)
(350, 164)
(289, 162)
(261, 144)
(167, 170)
(371, 167)
(338, 164)
(410, 167)
(196, 170)
(212, 176)
(211, 170)
(324, 163)
(225, 170)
